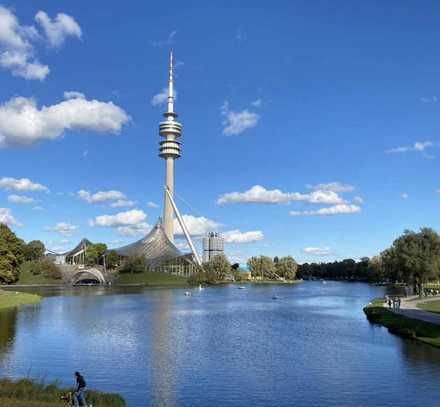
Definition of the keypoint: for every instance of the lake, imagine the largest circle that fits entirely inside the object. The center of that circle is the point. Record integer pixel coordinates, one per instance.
(312, 346)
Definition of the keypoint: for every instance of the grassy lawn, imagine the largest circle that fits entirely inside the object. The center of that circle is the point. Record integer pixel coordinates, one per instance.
(403, 326)
(28, 393)
(432, 306)
(26, 277)
(26, 403)
(152, 279)
(9, 299)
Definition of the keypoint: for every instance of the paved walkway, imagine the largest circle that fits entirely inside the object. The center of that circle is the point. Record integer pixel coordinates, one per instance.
(408, 308)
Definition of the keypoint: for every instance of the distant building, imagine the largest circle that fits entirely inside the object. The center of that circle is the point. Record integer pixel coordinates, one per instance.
(213, 245)
(76, 256)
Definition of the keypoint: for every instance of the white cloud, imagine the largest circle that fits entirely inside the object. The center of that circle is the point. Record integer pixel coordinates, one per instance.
(123, 203)
(333, 186)
(100, 196)
(22, 123)
(7, 218)
(237, 122)
(429, 99)
(318, 251)
(63, 228)
(22, 184)
(134, 230)
(161, 97)
(168, 41)
(259, 194)
(358, 200)
(257, 103)
(182, 245)
(236, 236)
(417, 146)
(38, 208)
(20, 199)
(153, 205)
(17, 53)
(404, 195)
(58, 29)
(132, 217)
(72, 94)
(331, 210)
(197, 226)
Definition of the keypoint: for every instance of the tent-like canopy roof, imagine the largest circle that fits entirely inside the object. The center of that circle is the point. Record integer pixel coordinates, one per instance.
(156, 248)
(80, 246)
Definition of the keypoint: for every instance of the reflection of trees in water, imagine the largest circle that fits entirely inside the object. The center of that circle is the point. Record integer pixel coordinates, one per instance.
(8, 326)
(423, 356)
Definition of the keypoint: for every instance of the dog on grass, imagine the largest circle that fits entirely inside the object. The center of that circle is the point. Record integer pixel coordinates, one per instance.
(68, 399)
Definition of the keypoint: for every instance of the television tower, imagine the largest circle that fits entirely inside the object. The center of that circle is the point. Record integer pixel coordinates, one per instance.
(169, 150)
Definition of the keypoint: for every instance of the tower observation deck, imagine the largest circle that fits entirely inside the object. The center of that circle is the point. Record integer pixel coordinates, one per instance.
(169, 150)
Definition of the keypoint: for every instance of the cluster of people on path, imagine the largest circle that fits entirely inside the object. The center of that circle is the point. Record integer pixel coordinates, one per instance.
(394, 303)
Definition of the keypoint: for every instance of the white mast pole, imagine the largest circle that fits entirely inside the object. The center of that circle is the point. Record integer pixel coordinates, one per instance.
(183, 226)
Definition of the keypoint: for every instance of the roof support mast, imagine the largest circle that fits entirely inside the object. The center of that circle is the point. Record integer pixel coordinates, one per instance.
(184, 228)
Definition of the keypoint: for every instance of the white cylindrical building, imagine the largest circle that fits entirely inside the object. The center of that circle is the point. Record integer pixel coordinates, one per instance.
(213, 245)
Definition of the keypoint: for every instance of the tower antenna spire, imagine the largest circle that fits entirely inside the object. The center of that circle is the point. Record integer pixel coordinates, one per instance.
(170, 84)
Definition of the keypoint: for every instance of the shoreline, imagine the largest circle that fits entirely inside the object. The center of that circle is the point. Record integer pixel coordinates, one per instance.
(13, 299)
(402, 325)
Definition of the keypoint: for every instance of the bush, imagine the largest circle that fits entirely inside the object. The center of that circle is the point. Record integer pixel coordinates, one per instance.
(203, 277)
(45, 267)
(133, 265)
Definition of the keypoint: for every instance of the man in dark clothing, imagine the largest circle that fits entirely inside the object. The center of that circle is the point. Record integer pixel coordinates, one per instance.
(79, 393)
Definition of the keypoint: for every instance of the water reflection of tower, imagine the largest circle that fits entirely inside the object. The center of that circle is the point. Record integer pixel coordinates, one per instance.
(163, 364)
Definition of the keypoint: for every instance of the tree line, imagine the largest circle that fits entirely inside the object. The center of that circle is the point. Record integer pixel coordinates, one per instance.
(412, 259)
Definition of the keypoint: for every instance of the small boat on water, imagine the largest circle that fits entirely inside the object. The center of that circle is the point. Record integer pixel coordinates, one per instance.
(275, 297)
(200, 287)
(241, 287)
(187, 293)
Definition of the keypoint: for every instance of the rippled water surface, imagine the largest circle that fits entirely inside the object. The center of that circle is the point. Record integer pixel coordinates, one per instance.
(222, 347)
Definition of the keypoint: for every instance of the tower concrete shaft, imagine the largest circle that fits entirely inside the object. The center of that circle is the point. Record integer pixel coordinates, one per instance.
(169, 150)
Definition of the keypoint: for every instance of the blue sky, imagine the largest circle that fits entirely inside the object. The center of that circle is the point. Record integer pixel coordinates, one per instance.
(301, 99)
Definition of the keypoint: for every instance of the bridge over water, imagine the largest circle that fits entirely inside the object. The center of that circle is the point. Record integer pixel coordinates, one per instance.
(72, 274)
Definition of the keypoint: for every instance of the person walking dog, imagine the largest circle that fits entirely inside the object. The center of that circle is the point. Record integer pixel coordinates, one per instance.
(79, 398)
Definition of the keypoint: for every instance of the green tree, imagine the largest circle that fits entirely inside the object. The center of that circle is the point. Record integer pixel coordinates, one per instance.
(34, 250)
(13, 243)
(261, 266)
(286, 267)
(377, 268)
(414, 258)
(94, 253)
(218, 267)
(8, 265)
(111, 259)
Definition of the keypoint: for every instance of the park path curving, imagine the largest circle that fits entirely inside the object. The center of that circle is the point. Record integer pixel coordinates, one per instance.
(408, 308)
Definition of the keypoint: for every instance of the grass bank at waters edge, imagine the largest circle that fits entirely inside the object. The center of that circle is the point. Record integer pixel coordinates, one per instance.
(26, 277)
(10, 299)
(29, 393)
(152, 279)
(401, 325)
(431, 306)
